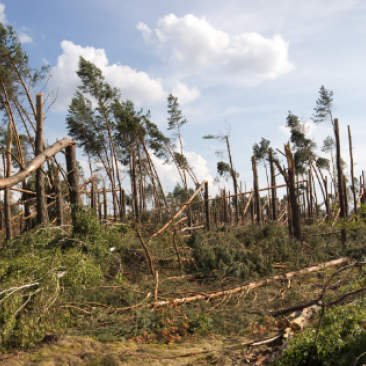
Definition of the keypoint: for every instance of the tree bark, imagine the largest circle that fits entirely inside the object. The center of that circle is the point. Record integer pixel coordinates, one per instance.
(273, 183)
(342, 201)
(123, 204)
(105, 213)
(310, 191)
(59, 199)
(351, 168)
(292, 192)
(256, 189)
(42, 214)
(73, 179)
(207, 208)
(137, 215)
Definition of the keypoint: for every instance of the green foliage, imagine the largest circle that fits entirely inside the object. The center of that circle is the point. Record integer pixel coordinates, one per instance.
(249, 254)
(342, 338)
(176, 119)
(260, 151)
(324, 106)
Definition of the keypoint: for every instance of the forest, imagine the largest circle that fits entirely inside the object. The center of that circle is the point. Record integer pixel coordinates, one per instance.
(97, 271)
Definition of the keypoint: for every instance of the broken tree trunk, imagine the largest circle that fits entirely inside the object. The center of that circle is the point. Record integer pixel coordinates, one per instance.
(310, 192)
(73, 179)
(179, 212)
(42, 214)
(342, 202)
(292, 192)
(207, 208)
(122, 199)
(59, 199)
(273, 183)
(7, 197)
(93, 196)
(247, 286)
(256, 190)
(351, 168)
(135, 186)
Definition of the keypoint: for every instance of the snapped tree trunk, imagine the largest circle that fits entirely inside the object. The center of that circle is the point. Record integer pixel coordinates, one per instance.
(135, 186)
(59, 199)
(342, 201)
(351, 168)
(256, 190)
(207, 208)
(292, 193)
(273, 183)
(42, 214)
(94, 196)
(73, 179)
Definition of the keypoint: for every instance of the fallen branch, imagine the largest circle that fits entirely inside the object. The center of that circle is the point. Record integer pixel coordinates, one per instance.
(179, 212)
(214, 295)
(34, 164)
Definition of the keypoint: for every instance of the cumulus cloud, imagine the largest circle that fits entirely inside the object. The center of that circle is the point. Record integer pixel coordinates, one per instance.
(2, 13)
(185, 94)
(145, 31)
(24, 38)
(134, 85)
(169, 175)
(198, 46)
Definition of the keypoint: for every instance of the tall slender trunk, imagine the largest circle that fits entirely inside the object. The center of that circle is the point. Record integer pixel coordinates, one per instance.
(341, 192)
(273, 183)
(137, 214)
(256, 189)
(351, 168)
(235, 184)
(292, 194)
(42, 214)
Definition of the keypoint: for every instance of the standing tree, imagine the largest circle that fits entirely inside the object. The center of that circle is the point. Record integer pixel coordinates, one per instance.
(324, 114)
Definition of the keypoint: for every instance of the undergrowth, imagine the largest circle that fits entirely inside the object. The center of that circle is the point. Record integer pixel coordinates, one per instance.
(79, 281)
(342, 338)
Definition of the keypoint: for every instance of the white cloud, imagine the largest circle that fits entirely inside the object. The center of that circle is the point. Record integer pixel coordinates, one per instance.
(198, 46)
(134, 85)
(285, 130)
(169, 175)
(2, 13)
(24, 38)
(145, 31)
(184, 94)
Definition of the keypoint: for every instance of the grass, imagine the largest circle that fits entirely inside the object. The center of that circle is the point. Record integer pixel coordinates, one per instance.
(80, 285)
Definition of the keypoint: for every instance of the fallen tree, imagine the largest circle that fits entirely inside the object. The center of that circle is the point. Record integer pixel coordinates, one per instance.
(34, 164)
(250, 285)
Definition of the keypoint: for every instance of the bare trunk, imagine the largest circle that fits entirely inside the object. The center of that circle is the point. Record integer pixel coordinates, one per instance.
(342, 200)
(59, 199)
(42, 214)
(256, 189)
(73, 180)
(351, 168)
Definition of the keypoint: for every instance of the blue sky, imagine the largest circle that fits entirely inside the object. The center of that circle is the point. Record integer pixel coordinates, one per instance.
(243, 63)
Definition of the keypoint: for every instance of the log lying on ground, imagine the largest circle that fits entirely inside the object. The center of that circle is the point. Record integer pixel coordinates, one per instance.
(34, 164)
(214, 295)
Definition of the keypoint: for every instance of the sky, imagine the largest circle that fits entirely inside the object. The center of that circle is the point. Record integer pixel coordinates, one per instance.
(237, 66)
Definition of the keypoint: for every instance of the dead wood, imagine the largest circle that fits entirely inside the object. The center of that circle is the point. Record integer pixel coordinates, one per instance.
(214, 295)
(179, 212)
(34, 164)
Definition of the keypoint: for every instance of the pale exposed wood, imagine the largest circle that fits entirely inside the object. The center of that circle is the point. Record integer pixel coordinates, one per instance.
(179, 212)
(247, 286)
(34, 164)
